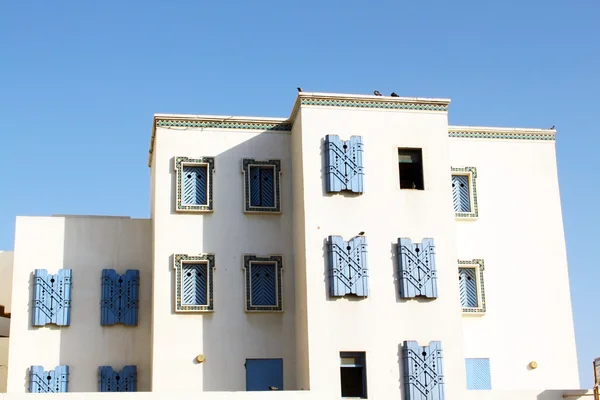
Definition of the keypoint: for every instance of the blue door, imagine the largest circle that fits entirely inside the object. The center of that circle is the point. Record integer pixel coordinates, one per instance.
(264, 374)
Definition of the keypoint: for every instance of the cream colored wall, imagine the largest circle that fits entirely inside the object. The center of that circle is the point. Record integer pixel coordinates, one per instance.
(6, 267)
(520, 236)
(380, 323)
(229, 335)
(3, 363)
(86, 245)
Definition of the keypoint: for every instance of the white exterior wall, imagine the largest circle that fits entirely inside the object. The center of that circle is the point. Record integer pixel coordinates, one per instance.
(3, 363)
(6, 267)
(379, 323)
(519, 234)
(86, 245)
(229, 335)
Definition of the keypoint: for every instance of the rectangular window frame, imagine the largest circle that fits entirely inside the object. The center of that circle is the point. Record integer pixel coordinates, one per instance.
(479, 266)
(209, 164)
(277, 261)
(247, 164)
(361, 355)
(179, 260)
(471, 173)
(421, 162)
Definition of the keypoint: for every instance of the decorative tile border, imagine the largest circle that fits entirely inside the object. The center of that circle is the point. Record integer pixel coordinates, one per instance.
(199, 123)
(250, 162)
(500, 135)
(368, 103)
(209, 162)
(272, 259)
(471, 172)
(479, 266)
(178, 261)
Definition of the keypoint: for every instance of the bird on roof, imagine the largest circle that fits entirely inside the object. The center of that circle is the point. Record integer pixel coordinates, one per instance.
(394, 94)
(299, 90)
(553, 126)
(361, 233)
(376, 93)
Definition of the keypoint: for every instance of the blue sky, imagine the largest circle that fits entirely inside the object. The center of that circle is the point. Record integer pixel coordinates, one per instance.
(80, 81)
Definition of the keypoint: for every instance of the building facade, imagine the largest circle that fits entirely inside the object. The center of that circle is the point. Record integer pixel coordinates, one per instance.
(360, 248)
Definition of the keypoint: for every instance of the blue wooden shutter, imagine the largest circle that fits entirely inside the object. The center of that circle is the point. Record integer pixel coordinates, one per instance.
(461, 194)
(195, 182)
(478, 374)
(262, 284)
(343, 164)
(264, 374)
(115, 381)
(52, 298)
(267, 187)
(255, 191)
(416, 268)
(194, 284)
(467, 284)
(56, 381)
(348, 271)
(120, 297)
(423, 372)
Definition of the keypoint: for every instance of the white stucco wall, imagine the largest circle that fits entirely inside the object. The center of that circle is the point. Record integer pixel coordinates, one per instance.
(228, 336)
(86, 245)
(380, 323)
(4, 341)
(6, 267)
(519, 234)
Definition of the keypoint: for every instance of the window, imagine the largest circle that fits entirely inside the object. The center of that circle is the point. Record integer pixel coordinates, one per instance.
(411, 169)
(348, 272)
(118, 381)
(53, 381)
(264, 374)
(343, 164)
(416, 268)
(470, 283)
(423, 370)
(478, 374)
(120, 297)
(353, 374)
(263, 283)
(52, 297)
(194, 184)
(194, 282)
(464, 192)
(261, 185)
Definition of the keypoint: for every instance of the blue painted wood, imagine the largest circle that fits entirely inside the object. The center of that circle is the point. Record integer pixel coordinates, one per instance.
(262, 187)
(423, 371)
(54, 381)
(51, 297)
(118, 381)
(344, 164)
(467, 285)
(416, 268)
(348, 270)
(461, 195)
(120, 297)
(263, 284)
(264, 374)
(194, 284)
(478, 374)
(195, 183)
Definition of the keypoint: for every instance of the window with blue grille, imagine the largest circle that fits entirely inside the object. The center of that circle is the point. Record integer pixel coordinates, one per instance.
(464, 192)
(118, 381)
(478, 374)
(264, 374)
(343, 164)
(263, 276)
(470, 284)
(53, 381)
(416, 268)
(52, 297)
(194, 282)
(347, 269)
(194, 184)
(423, 371)
(261, 185)
(120, 297)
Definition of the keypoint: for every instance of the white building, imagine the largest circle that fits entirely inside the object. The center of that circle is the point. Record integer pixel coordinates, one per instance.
(310, 255)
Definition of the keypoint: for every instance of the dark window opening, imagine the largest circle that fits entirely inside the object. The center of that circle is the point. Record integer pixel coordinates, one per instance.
(410, 165)
(353, 375)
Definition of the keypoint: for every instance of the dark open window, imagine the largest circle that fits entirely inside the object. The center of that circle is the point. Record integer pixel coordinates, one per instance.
(410, 163)
(353, 372)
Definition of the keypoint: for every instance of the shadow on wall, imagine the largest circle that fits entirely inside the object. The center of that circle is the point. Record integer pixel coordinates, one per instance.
(229, 335)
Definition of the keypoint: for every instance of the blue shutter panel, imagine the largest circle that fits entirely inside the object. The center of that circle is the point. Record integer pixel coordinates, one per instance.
(416, 268)
(52, 298)
(478, 374)
(56, 381)
(467, 284)
(263, 374)
(115, 381)
(194, 284)
(255, 190)
(120, 297)
(263, 286)
(460, 193)
(354, 165)
(343, 164)
(195, 183)
(423, 372)
(267, 187)
(348, 271)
